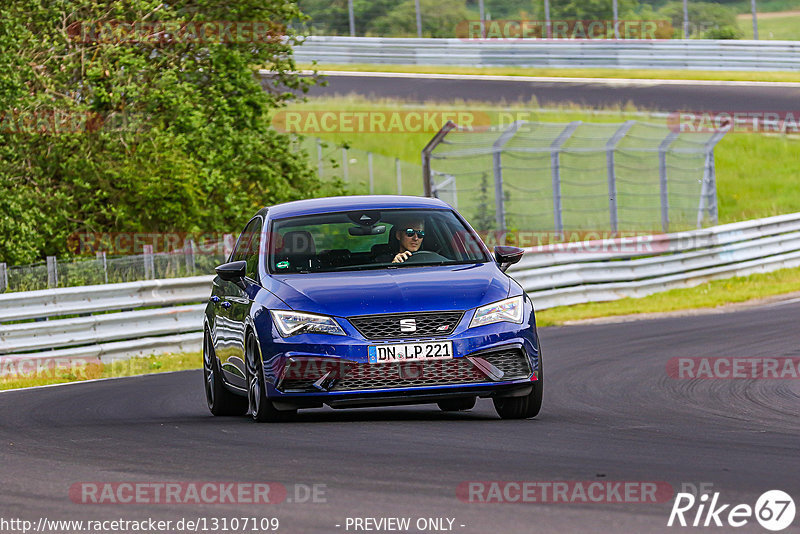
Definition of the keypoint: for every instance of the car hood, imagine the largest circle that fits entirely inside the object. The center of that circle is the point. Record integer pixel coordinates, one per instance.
(405, 289)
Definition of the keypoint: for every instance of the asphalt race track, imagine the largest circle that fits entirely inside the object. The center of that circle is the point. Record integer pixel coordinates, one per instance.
(646, 94)
(611, 413)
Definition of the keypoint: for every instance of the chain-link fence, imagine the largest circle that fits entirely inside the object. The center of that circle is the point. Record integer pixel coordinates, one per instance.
(576, 176)
(194, 260)
(361, 171)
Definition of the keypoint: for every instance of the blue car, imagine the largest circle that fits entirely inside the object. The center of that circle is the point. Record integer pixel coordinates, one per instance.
(368, 301)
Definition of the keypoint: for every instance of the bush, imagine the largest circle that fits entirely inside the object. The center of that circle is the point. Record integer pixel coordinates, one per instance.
(176, 136)
(439, 19)
(725, 32)
(703, 18)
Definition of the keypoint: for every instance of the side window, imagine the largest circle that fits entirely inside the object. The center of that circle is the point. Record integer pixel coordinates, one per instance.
(253, 250)
(243, 246)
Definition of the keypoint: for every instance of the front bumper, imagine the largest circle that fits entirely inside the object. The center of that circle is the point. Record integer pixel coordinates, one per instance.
(309, 370)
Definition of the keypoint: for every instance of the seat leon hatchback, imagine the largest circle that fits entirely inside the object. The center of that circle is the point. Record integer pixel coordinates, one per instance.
(368, 301)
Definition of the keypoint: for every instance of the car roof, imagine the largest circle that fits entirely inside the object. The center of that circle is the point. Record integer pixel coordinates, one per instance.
(347, 203)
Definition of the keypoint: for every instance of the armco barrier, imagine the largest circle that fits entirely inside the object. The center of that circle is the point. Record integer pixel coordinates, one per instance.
(693, 54)
(166, 315)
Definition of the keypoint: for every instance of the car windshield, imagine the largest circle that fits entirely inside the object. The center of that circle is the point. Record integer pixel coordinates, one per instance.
(371, 239)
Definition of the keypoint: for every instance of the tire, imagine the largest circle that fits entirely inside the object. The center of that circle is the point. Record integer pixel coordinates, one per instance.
(521, 407)
(457, 405)
(259, 406)
(221, 402)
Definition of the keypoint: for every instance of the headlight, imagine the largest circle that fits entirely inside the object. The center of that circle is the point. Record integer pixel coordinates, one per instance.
(291, 323)
(505, 310)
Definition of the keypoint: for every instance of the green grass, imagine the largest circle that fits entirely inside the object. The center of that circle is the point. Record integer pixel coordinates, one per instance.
(773, 26)
(61, 372)
(766, 6)
(645, 74)
(708, 295)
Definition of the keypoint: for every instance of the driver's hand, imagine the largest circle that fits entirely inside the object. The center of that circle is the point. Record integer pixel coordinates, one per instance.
(402, 256)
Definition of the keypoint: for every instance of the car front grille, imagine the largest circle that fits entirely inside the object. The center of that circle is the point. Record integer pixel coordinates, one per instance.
(389, 326)
(352, 376)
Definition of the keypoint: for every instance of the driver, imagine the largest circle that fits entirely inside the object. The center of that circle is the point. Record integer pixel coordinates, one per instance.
(409, 235)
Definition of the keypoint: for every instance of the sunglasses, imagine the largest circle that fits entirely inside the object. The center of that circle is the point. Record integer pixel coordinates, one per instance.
(410, 233)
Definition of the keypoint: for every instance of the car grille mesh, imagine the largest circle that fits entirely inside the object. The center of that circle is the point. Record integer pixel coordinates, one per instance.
(352, 376)
(387, 326)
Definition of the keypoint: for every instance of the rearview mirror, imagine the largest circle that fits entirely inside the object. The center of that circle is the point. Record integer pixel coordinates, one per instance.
(507, 256)
(366, 230)
(233, 271)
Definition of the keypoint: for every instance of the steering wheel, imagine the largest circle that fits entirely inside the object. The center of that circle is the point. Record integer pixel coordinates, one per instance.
(421, 256)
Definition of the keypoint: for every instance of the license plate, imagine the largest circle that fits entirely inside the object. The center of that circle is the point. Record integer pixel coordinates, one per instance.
(410, 352)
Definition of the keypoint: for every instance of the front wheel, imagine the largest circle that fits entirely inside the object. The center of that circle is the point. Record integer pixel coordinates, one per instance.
(521, 407)
(260, 407)
(220, 401)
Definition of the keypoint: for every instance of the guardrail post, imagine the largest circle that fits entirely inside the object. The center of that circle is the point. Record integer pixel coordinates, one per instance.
(345, 168)
(147, 257)
(352, 17)
(399, 175)
(497, 167)
(188, 250)
(419, 17)
(101, 257)
(52, 271)
(427, 178)
(611, 146)
(555, 170)
(371, 177)
(662, 178)
(3, 277)
(708, 193)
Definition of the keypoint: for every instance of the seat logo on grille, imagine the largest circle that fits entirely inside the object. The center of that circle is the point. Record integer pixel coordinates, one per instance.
(408, 325)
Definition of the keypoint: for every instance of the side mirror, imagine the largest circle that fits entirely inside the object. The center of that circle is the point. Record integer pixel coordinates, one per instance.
(233, 271)
(507, 256)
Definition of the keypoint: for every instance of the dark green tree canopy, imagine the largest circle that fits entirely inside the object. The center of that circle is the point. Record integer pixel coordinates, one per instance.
(153, 131)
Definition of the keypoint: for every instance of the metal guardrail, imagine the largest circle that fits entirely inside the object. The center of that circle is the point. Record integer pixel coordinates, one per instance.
(637, 267)
(169, 314)
(102, 298)
(696, 54)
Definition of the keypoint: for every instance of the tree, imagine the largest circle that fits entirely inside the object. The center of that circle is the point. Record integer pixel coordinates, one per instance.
(439, 18)
(707, 20)
(176, 133)
(330, 17)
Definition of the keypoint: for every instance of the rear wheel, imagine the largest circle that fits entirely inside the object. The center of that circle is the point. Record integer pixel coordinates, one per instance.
(220, 401)
(521, 407)
(260, 407)
(457, 405)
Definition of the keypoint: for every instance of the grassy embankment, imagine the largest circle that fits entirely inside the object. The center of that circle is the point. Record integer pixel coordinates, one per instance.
(782, 25)
(21, 374)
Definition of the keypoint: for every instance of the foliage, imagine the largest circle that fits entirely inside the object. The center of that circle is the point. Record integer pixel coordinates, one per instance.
(439, 19)
(703, 17)
(724, 32)
(330, 17)
(167, 134)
